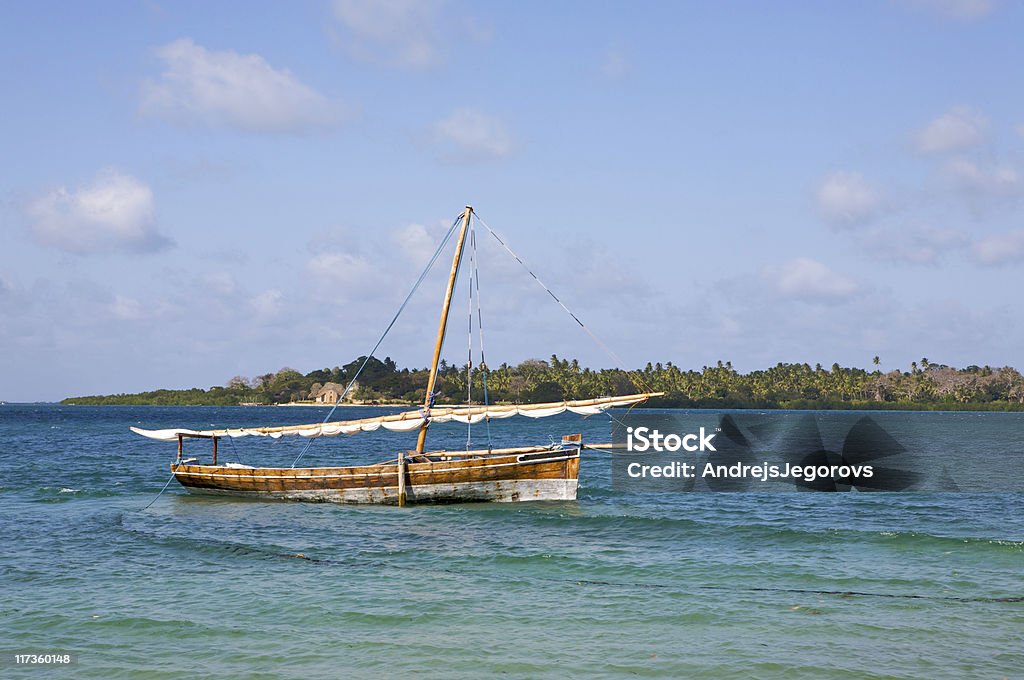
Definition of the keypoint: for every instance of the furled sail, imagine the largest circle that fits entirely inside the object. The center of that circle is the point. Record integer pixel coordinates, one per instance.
(407, 421)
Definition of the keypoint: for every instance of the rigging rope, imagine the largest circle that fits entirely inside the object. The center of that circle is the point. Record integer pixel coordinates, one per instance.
(621, 364)
(480, 328)
(423, 275)
(474, 296)
(469, 361)
(234, 450)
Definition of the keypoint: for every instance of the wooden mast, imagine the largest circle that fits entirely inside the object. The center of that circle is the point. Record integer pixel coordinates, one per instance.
(443, 325)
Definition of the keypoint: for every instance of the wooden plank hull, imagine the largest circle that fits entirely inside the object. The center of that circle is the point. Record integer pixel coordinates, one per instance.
(532, 474)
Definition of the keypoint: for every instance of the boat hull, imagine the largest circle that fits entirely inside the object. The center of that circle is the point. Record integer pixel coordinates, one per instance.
(533, 475)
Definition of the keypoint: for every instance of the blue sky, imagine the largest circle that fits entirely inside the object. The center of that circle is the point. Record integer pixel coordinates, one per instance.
(192, 191)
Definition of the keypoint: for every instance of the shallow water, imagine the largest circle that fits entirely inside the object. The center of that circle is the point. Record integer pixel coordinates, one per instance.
(615, 584)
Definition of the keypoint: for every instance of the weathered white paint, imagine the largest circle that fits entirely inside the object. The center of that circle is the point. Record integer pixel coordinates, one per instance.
(503, 491)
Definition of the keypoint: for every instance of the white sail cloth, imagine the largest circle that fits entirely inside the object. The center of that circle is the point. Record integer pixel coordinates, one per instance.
(408, 420)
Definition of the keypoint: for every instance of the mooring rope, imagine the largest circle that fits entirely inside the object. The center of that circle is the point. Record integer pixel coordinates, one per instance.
(161, 493)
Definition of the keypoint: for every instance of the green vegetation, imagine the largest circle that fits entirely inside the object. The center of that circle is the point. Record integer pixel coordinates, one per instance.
(926, 386)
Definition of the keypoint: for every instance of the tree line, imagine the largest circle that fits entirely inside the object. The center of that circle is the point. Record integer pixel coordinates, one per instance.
(924, 386)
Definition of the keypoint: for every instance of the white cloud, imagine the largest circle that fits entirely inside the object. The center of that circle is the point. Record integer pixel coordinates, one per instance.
(222, 283)
(478, 31)
(415, 243)
(394, 32)
(469, 135)
(116, 212)
(340, 269)
(268, 304)
(959, 128)
(232, 89)
(846, 199)
(956, 9)
(1020, 129)
(1000, 248)
(615, 64)
(991, 181)
(919, 244)
(810, 280)
(126, 308)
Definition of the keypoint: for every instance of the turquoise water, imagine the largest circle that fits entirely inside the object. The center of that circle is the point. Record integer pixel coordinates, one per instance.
(615, 584)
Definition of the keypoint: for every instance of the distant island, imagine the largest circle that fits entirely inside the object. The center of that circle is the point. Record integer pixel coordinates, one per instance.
(925, 386)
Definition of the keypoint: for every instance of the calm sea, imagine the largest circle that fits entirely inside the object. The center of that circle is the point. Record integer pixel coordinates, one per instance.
(616, 584)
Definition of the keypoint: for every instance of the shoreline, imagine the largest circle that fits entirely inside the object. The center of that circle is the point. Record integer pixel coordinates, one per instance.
(347, 403)
(980, 407)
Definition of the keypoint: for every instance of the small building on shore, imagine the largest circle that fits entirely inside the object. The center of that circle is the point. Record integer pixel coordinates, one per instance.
(329, 393)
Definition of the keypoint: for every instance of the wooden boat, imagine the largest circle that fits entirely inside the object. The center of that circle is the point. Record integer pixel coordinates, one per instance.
(545, 472)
